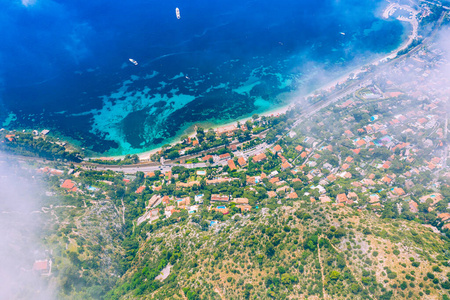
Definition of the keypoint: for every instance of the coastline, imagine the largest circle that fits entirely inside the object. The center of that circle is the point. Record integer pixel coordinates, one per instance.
(387, 12)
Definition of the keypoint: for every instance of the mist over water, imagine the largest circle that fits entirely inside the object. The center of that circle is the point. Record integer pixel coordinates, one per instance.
(65, 64)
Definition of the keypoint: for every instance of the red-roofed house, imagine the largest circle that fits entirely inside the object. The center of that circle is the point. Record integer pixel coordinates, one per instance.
(394, 94)
(207, 157)
(184, 202)
(56, 172)
(231, 165)
(241, 161)
(341, 198)
(324, 199)
(68, 184)
(271, 194)
(250, 180)
(259, 157)
(228, 130)
(299, 148)
(140, 189)
(292, 195)
(413, 206)
(352, 196)
(374, 199)
(348, 133)
(360, 143)
(349, 159)
(331, 178)
(40, 265)
(435, 197)
(386, 165)
(10, 137)
(367, 181)
(44, 267)
(386, 179)
(150, 174)
(222, 210)
(244, 207)
(274, 180)
(283, 159)
(357, 184)
(277, 148)
(435, 160)
(398, 191)
(444, 216)
(422, 120)
(219, 198)
(285, 165)
(225, 156)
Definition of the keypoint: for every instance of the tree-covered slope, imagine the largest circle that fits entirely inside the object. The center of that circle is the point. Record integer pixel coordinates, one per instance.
(311, 251)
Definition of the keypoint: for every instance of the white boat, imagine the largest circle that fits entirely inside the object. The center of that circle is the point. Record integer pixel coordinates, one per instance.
(177, 12)
(133, 61)
(343, 33)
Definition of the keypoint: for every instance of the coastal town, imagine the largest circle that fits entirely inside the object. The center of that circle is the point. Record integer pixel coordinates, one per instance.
(374, 146)
(382, 148)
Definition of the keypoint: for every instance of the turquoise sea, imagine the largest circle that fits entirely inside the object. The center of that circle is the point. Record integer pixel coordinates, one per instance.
(65, 64)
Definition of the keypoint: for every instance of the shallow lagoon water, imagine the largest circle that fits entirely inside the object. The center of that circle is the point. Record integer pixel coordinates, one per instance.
(218, 63)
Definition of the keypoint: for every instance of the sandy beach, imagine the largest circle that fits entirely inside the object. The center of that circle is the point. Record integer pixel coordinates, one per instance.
(387, 13)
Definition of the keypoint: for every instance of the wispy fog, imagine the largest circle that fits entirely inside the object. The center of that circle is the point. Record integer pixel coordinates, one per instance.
(20, 229)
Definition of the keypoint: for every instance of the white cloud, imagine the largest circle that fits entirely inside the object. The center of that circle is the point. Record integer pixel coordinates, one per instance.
(28, 3)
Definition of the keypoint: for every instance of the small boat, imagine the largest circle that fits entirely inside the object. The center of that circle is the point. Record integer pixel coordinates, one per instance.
(133, 61)
(343, 33)
(177, 12)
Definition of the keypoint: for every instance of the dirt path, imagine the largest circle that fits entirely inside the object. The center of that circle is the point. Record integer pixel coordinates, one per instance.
(216, 289)
(123, 211)
(321, 267)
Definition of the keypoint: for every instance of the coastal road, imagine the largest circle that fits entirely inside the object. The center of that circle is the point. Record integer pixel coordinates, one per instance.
(130, 169)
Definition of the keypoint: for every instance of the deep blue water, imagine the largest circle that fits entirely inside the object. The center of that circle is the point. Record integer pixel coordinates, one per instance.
(64, 64)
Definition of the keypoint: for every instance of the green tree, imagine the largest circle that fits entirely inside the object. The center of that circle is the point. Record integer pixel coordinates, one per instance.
(334, 275)
(200, 134)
